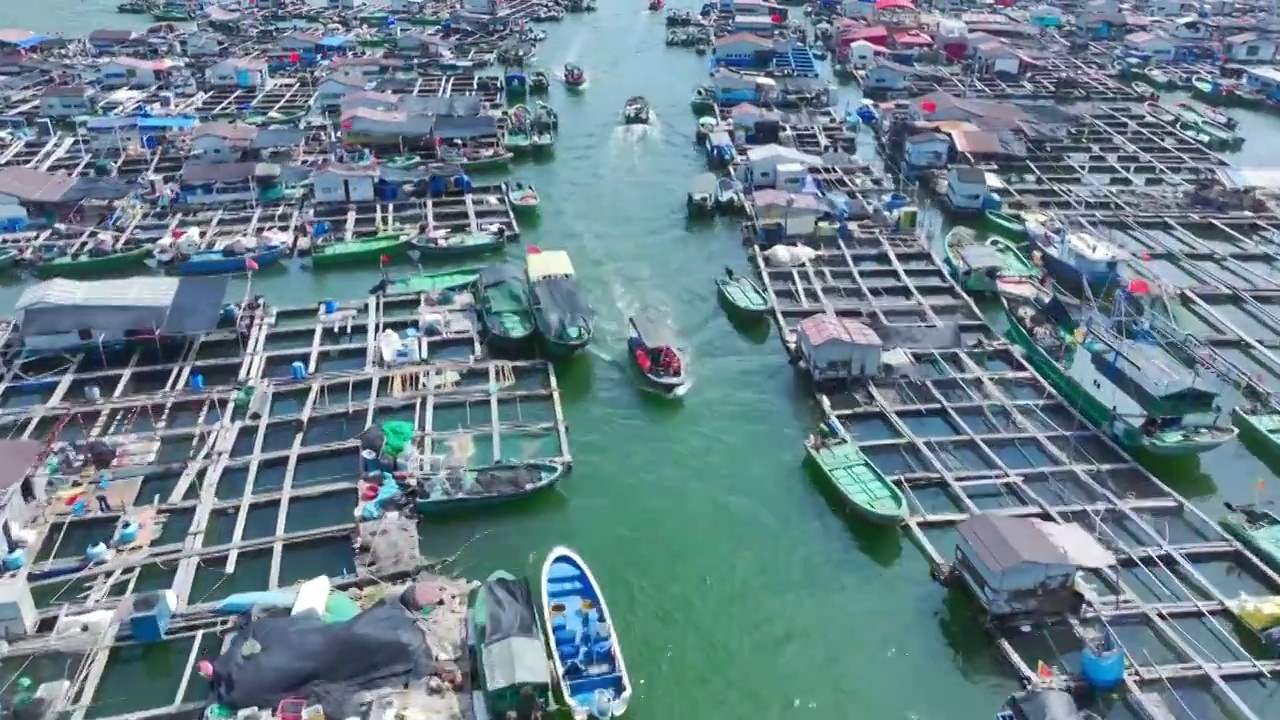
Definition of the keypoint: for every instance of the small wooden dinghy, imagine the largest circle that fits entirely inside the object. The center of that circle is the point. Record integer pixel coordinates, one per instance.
(866, 491)
(471, 488)
(586, 654)
(742, 296)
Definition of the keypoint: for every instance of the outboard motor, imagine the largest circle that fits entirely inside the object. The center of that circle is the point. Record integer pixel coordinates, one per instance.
(602, 704)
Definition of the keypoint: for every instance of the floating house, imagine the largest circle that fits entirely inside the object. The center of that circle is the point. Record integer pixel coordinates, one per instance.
(730, 88)
(338, 183)
(303, 42)
(205, 44)
(783, 214)
(1157, 47)
(332, 90)
(108, 41)
(833, 348)
(239, 73)
(886, 76)
(41, 194)
(1190, 28)
(1025, 567)
(765, 164)
(996, 57)
(743, 50)
(220, 183)
(135, 73)
(1265, 80)
(66, 101)
(1249, 47)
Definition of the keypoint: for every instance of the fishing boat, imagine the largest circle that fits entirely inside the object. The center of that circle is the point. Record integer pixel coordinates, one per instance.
(1193, 131)
(1075, 259)
(1133, 391)
(502, 303)
(509, 669)
(539, 82)
(1260, 428)
(1257, 529)
(134, 7)
(377, 249)
(1157, 78)
(454, 489)
(1007, 225)
(703, 101)
(866, 491)
(1213, 115)
(985, 267)
(564, 320)
(445, 245)
(543, 128)
(701, 198)
(523, 197)
(433, 282)
(636, 111)
(585, 652)
(173, 12)
(223, 262)
(656, 357)
(656, 5)
(575, 77)
(517, 135)
(1145, 91)
(741, 296)
(94, 262)
(515, 85)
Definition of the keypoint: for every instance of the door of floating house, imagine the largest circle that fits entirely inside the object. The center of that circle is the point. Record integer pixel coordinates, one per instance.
(246, 78)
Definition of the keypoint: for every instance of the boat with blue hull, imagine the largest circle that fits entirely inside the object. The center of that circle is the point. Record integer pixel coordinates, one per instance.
(215, 262)
(585, 652)
(1075, 259)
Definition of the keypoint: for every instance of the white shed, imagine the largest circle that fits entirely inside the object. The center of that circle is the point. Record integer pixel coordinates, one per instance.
(763, 162)
(837, 348)
(335, 183)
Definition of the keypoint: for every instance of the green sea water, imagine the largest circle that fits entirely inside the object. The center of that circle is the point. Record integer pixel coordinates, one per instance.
(740, 591)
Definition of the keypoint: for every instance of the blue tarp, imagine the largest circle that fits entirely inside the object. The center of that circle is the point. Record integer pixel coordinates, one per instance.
(336, 41)
(33, 41)
(170, 122)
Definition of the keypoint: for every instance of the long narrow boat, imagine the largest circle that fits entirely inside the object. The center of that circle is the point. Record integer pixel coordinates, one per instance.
(1006, 225)
(503, 307)
(1099, 376)
(565, 321)
(214, 262)
(517, 135)
(510, 672)
(1256, 529)
(455, 245)
(357, 252)
(865, 490)
(433, 282)
(87, 264)
(472, 488)
(523, 197)
(657, 358)
(585, 652)
(741, 296)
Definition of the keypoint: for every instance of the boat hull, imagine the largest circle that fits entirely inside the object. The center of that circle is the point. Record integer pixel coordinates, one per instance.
(671, 386)
(552, 473)
(86, 266)
(1237, 527)
(1261, 433)
(226, 265)
(734, 299)
(357, 252)
(451, 252)
(1006, 225)
(1095, 411)
(562, 562)
(851, 501)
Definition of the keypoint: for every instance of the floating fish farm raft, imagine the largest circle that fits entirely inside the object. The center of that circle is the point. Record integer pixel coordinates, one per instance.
(973, 430)
(237, 467)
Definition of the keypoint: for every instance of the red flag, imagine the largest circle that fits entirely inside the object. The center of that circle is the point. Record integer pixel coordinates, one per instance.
(1138, 286)
(1044, 671)
(294, 57)
(534, 249)
(929, 107)
(384, 259)
(250, 264)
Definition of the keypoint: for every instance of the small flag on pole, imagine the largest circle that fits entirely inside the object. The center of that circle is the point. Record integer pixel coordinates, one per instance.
(1261, 483)
(1044, 671)
(384, 260)
(534, 249)
(250, 264)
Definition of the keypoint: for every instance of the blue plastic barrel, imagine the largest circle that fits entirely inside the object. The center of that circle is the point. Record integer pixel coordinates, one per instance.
(96, 552)
(228, 312)
(129, 533)
(369, 461)
(298, 370)
(330, 306)
(1102, 669)
(197, 382)
(15, 560)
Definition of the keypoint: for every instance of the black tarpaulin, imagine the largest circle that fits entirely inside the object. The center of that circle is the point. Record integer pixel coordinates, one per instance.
(327, 663)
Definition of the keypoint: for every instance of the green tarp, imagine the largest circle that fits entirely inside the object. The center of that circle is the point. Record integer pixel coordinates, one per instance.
(397, 435)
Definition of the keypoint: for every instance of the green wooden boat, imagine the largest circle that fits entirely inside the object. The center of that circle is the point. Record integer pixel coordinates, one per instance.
(1256, 529)
(357, 252)
(8, 258)
(517, 137)
(1261, 431)
(434, 282)
(523, 198)
(1064, 355)
(468, 244)
(510, 675)
(1006, 225)
(1157, 77)
(460, 489)
(274, 118)
(1206, 132)
(87, 265)
(565, 322)
(742, 296)
(435, 17)
(502, 300)
(172, 15)
(986, 267)
(866, 491)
